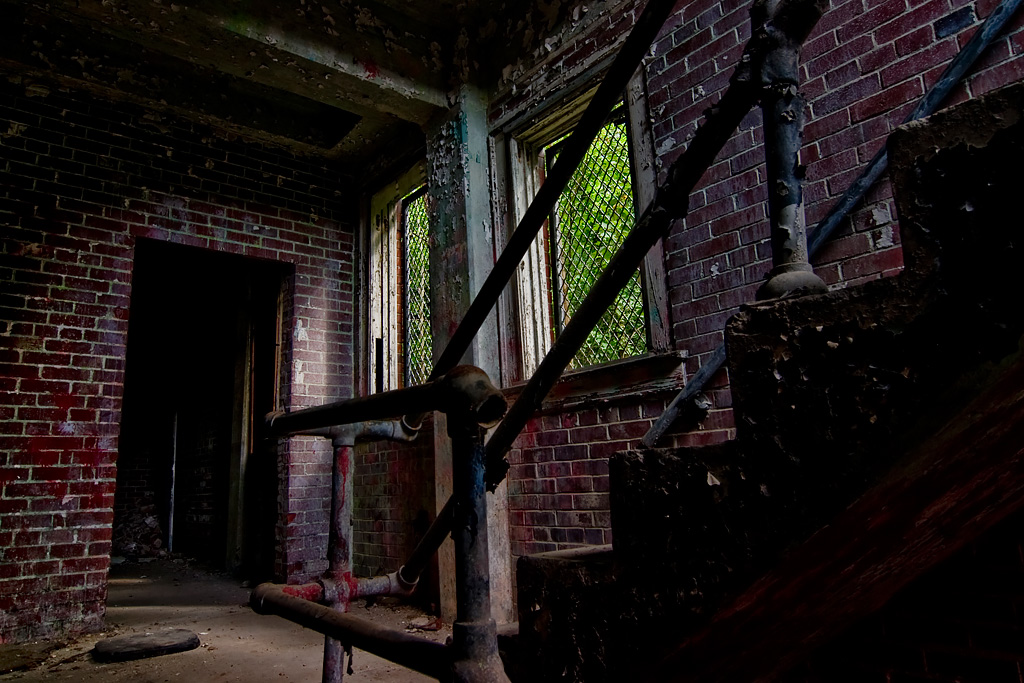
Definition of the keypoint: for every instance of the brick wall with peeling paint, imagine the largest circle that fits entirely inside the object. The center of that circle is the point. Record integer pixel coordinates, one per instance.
(80, 181)
(863, 68)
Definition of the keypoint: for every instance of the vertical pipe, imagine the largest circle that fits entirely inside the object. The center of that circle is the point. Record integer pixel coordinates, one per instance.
(339, 552)
(782, 110)
(174, 472)
(475, 657)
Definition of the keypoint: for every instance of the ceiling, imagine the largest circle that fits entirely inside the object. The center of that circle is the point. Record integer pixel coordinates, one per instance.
(337, 78)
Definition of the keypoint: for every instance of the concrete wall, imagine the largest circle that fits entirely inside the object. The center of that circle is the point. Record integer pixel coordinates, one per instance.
(80, 182)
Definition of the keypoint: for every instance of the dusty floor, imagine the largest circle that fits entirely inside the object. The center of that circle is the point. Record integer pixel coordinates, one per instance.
(236, 644)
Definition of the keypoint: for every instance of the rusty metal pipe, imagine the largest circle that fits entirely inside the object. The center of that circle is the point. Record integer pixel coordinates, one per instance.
(475, 638)
(339, 552)
(419, 654)
(417, 399)
(463, 383)
(388, 584)
(372, 430)
(428, 545)
(324, 589)
(782, 109)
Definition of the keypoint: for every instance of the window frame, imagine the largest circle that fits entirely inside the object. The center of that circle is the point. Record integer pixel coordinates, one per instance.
(384, 276)
(525, 313)
(404, 302)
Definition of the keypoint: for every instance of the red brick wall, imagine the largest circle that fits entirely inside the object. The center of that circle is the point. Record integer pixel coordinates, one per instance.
(393, 505)
(863, 69)
(80, 181)
(960, 622)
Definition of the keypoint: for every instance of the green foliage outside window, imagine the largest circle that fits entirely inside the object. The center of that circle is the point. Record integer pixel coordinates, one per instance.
(592, 218)
(418, 342)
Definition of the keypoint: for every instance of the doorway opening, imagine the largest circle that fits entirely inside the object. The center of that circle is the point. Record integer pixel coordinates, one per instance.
(202, 369)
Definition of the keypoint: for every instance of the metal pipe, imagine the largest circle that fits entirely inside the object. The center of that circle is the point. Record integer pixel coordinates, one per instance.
(956, 70)
(428, 545)
(782, 109)
(461, 383)
(338, 587)
(466, 393)
(374, 430)
(419, 654)
(416, 399)
(690, 390)
(439, 529)
(339, 552)
(475, 638)
(389, 584)
(314, 592)
(324, 589)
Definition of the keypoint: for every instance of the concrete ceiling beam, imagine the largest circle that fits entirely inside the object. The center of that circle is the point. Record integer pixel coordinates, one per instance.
(355, 63)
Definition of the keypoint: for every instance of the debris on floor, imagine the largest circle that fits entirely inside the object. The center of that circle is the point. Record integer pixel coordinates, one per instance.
(237, 645)
(140, 645)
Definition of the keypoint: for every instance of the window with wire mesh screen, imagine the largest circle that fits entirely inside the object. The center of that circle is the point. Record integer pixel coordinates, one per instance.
(417, 342)
(589, 222)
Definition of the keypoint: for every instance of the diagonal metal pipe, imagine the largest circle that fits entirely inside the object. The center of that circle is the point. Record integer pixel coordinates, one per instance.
(792, 18)
(797, 18)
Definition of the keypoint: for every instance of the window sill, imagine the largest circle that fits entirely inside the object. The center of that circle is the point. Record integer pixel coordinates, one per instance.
(626, 379)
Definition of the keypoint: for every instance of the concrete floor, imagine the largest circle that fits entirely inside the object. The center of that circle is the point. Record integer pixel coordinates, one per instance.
(236, 644)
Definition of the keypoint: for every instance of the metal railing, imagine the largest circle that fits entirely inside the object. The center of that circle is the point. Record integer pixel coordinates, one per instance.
(766, 73)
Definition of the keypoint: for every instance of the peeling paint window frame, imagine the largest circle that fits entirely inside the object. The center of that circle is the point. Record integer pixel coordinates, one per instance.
(416, 338)
(384, 345)
(593, 202)
(516, 156)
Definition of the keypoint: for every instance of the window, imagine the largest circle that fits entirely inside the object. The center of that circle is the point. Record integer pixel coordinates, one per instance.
(590, 221)
(398, 340)
(592, 217)
(416, 289)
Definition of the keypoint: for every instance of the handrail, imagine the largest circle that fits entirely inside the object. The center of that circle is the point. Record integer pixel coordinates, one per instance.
(450, 388)
(793, 18)
(459, 382)
(963, 61)
(418, 654)
(669, 204)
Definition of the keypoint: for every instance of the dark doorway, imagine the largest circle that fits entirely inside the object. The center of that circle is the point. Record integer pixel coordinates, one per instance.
(202, 369)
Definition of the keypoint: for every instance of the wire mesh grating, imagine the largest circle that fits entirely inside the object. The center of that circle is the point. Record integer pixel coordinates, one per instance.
(418, 342)
(590, 221)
